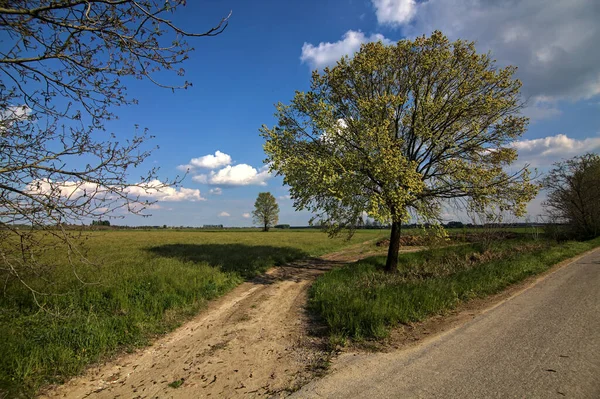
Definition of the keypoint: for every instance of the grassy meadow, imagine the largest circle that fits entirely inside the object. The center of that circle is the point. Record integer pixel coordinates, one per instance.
(142, 283)
(360, 301)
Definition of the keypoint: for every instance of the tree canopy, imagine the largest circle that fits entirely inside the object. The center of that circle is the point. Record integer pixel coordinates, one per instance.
(64, 66)
(266, 211)
(402, 130)
(573, 195)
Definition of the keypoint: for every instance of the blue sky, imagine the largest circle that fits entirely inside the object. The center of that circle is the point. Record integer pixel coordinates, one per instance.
(269, 49)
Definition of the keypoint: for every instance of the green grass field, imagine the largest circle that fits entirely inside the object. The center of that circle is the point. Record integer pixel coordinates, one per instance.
(361, 301)
(144, 283)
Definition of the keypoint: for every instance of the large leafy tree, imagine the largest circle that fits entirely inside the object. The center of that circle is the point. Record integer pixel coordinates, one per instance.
(401, 130)
(64, 66)
(266, 211)
(573, 194)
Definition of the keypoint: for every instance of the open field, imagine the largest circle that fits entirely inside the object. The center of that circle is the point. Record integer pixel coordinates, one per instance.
(145, 283)
(359, 300)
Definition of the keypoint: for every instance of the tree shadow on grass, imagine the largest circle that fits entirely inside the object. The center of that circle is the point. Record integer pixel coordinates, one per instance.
(247, 260)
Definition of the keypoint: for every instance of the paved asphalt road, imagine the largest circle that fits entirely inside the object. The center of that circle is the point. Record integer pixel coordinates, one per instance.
(542, 343)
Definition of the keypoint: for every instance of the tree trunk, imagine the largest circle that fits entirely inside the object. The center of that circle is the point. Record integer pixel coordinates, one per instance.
(391, 264)
(266, 228)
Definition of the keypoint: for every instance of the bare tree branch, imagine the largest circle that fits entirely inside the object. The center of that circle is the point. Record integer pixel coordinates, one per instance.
(63, 68)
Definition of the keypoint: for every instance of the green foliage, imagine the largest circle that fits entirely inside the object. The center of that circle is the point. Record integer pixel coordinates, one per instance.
(266, 210)
(100, 223)
(145, 283)
(573, 195)
(177, 383)
(401, 129)
(361, 301)
(282, 226)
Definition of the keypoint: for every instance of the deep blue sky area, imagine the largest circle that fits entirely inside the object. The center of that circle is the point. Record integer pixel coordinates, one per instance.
(269, 49)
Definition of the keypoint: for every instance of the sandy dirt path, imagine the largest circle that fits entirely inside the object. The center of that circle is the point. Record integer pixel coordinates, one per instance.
(252, 342)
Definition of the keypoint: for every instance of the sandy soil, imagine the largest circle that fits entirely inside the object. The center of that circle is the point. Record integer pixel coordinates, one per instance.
(254, 341)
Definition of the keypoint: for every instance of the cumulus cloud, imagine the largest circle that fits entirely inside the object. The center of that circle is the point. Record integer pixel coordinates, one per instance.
(326, 53)
(153, 190)
(246, 215)
(551, 42)
(544, 151)
(224, 214)
(238, 175)
(285, 197)
(65, 189)
(394, 12)
(215, 191)
(208, 161)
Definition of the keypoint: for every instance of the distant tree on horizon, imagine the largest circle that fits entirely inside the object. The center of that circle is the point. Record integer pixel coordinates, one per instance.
(266, 211)
(100, 223)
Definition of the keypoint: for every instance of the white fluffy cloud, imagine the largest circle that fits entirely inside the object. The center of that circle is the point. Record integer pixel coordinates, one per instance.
(238, 175)
(66, 189)
(224, 214)
(326, 54)
(544, 151)
(394, 12)
(246, 215)
(208, 161)
(551, 42)
(215, 191)
(154, 191)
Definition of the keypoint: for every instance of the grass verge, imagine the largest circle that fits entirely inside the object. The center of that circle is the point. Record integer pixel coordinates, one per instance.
(361, 301)
(144, 284)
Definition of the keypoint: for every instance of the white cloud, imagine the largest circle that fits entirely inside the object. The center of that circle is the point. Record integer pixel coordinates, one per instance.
(545, 151)
(542, 107)
(394, 12)
(238, 175)
(215, 191)
(14, 114)
(66, 189)
(285, 197)
(224, 214)
(208, 161)
(154, 190)
(200, 179)
(551, 42)
(326, 54)
(246, 215)
(185, 168)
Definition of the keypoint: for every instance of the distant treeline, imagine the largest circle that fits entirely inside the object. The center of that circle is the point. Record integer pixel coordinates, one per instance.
(106, 225)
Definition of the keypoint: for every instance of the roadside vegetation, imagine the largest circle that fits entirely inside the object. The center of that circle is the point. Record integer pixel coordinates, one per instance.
(361, 301)
(573, 197)
(142, 283)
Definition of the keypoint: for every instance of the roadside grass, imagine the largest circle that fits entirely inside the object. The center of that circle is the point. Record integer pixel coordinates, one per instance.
(360, 301)
(143, 283)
